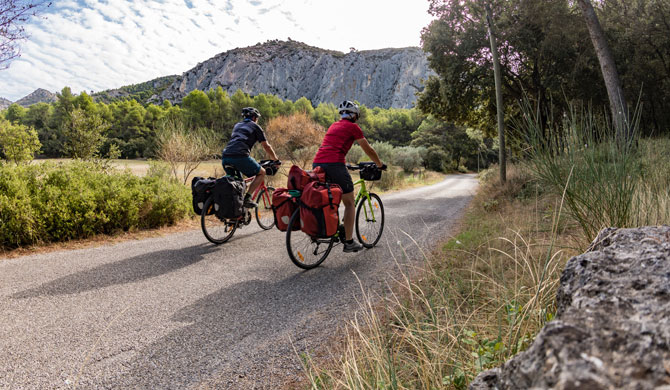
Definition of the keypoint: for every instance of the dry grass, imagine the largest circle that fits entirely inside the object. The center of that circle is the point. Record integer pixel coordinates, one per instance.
(479, 300)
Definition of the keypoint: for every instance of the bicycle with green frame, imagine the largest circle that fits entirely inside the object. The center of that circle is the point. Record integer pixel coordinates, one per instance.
(309, 252)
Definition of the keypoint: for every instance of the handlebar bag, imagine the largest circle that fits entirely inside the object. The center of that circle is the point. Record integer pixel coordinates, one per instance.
(298, 177)
(228, 193)
(270, 167)
(319, 204)
(201, 189)
(370, 172)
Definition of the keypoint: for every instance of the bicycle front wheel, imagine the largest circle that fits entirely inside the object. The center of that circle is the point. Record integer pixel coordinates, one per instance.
(215, 230)
(306, 252)
(264, 215)
(370, 220)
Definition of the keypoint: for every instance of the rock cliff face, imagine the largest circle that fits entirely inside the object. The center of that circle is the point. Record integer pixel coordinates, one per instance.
(4, 103)
(612, 328)
(379, 78)
(38, 96)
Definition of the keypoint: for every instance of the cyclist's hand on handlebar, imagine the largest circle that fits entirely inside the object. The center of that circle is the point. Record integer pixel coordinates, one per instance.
(383, 167)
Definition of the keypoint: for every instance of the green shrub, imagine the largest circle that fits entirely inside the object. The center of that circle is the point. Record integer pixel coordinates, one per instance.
(436, 159)
(355, 154)
(384, 151)
(51, 202)
(408, 158)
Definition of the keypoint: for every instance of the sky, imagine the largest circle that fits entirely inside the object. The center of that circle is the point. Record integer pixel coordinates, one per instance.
(93, 45)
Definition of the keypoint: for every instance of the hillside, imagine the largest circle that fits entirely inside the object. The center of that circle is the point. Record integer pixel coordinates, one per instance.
(38, 96)
(377, 78)
(140, 92)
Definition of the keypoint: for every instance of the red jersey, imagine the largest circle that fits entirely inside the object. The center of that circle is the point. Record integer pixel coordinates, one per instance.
(337, 142)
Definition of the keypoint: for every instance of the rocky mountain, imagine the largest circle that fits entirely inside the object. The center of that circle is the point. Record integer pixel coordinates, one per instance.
(140, 92)
(377, 78)
(4, 103)
(38, 96)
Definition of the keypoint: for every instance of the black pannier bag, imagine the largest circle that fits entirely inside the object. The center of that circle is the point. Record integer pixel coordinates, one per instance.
(228, 193)
(200, 189)
(369, 171)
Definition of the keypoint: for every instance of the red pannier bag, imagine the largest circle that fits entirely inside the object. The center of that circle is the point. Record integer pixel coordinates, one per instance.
(283, 206)
(319, 204)
(298, 177)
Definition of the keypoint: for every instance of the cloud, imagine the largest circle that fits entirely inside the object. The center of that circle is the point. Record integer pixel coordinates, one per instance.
(92, 45)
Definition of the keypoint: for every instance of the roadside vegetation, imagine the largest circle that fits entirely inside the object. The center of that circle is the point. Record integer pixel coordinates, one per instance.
(53, 202)
(579, 162)
(485, 293)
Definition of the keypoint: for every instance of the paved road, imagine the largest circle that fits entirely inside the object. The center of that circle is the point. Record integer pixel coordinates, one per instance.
(176, 312)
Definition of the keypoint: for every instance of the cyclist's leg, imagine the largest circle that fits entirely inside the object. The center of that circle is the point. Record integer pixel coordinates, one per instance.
(349, 214)
(258, 179)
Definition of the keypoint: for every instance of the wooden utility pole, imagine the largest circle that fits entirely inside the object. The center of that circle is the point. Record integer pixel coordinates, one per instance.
(502, 158)
(617, 100)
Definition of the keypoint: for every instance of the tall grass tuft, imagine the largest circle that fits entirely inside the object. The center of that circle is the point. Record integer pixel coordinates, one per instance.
(604, 179)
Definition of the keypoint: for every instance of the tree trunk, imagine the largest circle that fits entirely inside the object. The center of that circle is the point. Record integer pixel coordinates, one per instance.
(618, 105)
(502, 155)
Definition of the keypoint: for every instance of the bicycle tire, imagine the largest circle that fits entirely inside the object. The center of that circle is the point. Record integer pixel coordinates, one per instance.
(304, 251)
(215, 230)
(368, 231)
(264, 214)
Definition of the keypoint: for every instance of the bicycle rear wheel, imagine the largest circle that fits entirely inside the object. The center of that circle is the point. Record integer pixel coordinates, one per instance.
(264, 214)
(306, 252)
(370, 220)
(215, 230)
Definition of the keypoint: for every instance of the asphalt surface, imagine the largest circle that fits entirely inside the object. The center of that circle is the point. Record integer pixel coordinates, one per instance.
(177, 312)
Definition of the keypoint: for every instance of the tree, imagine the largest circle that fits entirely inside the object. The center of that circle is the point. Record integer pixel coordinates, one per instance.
(184, 148)
(197, 108)
(499, 94)
(15, 113)
(83, 134)
(292, 137)
(609, 71)
(13, 13)
(539, 59)
(19, 143)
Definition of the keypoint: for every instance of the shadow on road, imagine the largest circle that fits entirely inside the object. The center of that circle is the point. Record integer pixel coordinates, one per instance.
(233, 337)
(130, 270)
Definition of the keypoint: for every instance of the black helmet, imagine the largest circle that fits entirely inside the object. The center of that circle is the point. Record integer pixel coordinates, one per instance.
(250, 113)
(348, 107)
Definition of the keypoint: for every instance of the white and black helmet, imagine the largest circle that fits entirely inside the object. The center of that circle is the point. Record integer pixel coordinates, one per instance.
(348, 107)
(250, 112)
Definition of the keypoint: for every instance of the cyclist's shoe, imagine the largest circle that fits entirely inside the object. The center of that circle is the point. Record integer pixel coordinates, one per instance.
(352, 246)
(248, 203)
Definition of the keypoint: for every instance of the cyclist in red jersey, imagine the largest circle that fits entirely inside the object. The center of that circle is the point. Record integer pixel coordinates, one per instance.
(331, 157)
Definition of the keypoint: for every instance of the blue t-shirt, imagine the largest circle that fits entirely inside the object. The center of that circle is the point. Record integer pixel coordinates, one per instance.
(244, 137)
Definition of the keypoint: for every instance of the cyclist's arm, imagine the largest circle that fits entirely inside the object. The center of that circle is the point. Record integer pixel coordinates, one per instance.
(268, 149)
(365, 145)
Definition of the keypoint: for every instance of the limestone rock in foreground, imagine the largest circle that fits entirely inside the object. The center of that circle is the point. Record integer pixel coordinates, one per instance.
(612, 328)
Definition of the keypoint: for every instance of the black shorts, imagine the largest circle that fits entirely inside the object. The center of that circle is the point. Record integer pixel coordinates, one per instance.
(339, 174)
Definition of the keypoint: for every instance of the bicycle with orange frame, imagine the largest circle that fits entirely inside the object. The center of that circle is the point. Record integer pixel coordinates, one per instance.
(219, 230)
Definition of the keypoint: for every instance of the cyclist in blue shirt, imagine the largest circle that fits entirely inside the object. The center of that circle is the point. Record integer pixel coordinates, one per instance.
(237, 153)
